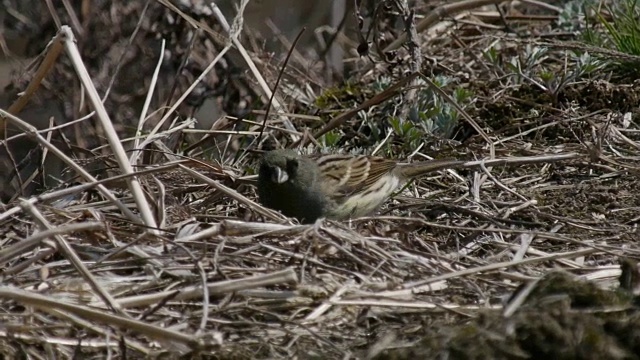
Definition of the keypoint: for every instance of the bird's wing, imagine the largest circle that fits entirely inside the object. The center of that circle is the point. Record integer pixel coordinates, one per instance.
(345, 175)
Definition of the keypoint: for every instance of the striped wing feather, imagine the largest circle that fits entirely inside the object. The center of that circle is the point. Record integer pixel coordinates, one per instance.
(349, 175)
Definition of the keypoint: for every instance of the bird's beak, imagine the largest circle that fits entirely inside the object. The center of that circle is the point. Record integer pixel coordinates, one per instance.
(279, 176)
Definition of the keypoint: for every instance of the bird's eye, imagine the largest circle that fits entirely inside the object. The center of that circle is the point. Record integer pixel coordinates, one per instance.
(292, 166)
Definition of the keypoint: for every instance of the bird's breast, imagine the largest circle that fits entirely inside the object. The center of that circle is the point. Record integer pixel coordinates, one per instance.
(305, 203)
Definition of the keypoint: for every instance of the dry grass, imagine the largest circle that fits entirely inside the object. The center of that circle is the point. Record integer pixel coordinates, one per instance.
(176, 257)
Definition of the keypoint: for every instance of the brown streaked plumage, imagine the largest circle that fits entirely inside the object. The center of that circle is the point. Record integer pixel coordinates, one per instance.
(333, 186)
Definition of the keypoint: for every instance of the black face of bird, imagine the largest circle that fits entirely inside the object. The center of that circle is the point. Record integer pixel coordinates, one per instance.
(288, 183)
(279, 173)
(279, 167)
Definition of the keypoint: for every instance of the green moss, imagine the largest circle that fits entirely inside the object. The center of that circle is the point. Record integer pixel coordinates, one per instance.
(562, 318)
(339, 96)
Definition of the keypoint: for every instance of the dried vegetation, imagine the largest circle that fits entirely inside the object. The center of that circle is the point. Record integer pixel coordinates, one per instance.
(495, 261)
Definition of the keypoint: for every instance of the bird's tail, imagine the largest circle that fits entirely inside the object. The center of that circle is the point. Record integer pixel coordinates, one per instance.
(423, 167)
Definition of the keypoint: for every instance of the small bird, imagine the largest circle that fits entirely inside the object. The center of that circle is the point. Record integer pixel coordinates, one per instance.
(333, 186)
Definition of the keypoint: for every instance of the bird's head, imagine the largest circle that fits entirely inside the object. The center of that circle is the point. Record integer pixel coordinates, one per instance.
(289, 183)
(284, 166)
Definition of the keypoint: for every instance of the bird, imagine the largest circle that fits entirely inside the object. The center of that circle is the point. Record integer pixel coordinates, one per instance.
(334, 186)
